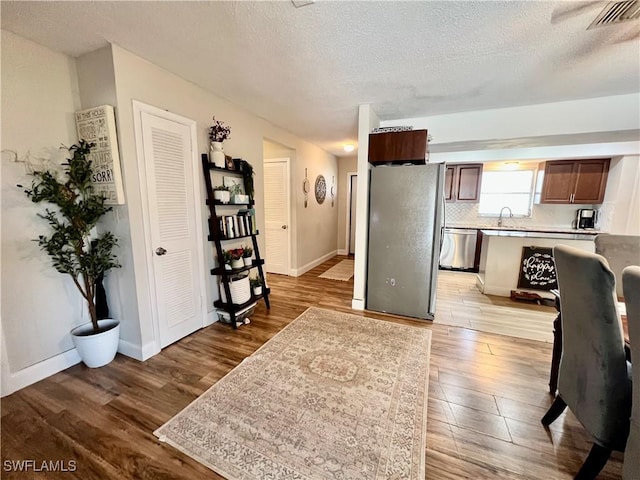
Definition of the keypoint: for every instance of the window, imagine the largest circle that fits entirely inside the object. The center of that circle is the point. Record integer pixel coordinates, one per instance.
(506, 188)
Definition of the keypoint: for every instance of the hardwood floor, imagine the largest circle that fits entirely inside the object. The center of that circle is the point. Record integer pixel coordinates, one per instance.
(487, 394)
(460, 304)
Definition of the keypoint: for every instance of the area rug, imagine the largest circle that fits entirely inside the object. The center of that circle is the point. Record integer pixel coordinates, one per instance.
(331, 396)
(341, 271)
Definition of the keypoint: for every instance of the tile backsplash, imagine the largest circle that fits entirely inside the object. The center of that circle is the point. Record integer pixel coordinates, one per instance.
(543, 215)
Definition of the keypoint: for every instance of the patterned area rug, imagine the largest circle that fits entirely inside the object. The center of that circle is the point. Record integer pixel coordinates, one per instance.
(341, 271)
(332, 396)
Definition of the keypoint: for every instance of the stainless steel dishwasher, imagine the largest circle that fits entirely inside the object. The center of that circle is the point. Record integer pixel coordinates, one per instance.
(458, 248)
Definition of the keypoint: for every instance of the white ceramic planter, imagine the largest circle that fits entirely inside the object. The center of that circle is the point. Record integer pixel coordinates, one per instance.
(222, 195)
(97, 350)
(237, 263)
(248, 261)
(257, 290)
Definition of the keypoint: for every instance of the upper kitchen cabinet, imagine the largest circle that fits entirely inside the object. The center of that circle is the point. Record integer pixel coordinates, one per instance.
(462, 182)
(575, 181)
(398, 147)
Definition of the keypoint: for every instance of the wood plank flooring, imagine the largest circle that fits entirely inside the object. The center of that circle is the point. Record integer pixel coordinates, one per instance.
(459, 303)
(487, 393)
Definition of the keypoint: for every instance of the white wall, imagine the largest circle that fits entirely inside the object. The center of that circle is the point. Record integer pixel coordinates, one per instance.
(604, 114)
(367, 121)
(39, 98)
(96, 79)
(620, 210)
(312, 226)
(346, 165)
(39, 305)
(141, 80)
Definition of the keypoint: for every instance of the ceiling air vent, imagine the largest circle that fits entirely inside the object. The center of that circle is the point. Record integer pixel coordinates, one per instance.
(617, 12)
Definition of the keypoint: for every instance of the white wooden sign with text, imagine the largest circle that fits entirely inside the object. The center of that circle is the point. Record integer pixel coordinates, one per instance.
(98, 125)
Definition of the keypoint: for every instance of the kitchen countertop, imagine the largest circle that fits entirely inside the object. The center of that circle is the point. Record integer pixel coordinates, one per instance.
(535, 234)
(505, 228)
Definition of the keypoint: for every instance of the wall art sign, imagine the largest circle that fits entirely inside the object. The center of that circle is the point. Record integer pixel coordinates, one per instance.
(537, 269)
(98, 125)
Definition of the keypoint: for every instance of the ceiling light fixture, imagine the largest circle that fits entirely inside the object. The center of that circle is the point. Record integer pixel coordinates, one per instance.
(349, 147)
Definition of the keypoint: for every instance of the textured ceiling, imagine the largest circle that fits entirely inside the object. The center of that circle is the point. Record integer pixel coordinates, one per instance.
(308, 69)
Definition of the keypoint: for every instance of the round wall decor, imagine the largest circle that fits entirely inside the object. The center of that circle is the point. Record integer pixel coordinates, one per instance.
(321, 189)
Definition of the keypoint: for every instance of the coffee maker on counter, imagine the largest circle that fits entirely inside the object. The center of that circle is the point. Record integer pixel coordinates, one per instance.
(586, 218)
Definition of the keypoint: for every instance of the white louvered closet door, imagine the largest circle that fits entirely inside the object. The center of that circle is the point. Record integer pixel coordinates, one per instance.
(170, 187)
(276, 215)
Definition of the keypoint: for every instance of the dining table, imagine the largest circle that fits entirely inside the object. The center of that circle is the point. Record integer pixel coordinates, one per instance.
(557, 339)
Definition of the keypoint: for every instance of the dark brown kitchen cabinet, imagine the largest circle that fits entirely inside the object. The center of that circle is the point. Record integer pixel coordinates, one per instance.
(575, 181)
(462, 182)
(398, 147)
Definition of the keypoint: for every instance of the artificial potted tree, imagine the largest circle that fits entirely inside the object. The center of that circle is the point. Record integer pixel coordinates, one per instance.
(72, 249)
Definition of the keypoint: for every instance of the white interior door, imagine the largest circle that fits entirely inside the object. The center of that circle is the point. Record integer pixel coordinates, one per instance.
(173, 233)
(276, 215)
(353, 180)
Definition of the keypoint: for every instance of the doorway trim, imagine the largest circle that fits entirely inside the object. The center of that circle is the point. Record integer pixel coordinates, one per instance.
(287, 161)
(347, 234)
(138, 109)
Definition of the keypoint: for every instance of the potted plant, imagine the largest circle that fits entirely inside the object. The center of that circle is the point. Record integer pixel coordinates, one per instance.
(236, 258)
(246, 256)
(73, 251)
(218, 133)
(222, 194)
(226, 259)
(237, 196)
(256, 285)
(247, 176)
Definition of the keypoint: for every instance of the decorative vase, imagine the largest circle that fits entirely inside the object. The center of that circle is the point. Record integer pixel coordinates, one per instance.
(216, 154)
(248, 261)
(97, 349)
(237, 263)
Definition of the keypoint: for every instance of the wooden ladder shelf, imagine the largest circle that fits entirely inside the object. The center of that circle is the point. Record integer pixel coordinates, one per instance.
(216, 235)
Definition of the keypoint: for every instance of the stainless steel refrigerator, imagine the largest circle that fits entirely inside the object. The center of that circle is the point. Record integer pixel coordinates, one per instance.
(405, 217)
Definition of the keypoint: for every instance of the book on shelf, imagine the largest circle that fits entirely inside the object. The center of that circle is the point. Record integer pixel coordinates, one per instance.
(248, 215)
(241, 225)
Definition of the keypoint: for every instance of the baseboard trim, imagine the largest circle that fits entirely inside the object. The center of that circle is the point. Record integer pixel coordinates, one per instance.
(148, 350)
(343, 251)
(137, 352)
(212, 317)
(301, 271)
(39, 371)
(357, 304)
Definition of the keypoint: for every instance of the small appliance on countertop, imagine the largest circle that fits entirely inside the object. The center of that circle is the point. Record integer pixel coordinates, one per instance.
(586, 218)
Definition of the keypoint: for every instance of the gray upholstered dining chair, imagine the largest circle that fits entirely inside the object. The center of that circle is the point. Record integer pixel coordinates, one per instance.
(631, 288)
(594, 378)
(620, 252)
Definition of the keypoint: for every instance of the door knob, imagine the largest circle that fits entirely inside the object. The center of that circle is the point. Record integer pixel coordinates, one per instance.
(160, 251)
(284, 227)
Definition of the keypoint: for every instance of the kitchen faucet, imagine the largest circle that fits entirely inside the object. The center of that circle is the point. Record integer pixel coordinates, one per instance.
(500, 218)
